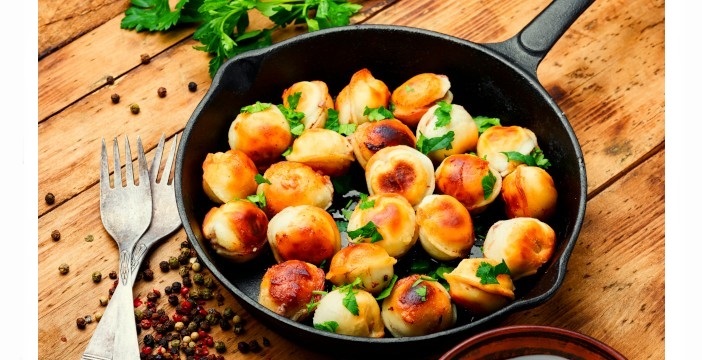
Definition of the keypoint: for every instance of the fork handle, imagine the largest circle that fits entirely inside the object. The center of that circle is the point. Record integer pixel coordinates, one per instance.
(126, 344)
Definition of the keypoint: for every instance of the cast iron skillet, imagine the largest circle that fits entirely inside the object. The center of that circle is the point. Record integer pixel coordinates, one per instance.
(497, 79)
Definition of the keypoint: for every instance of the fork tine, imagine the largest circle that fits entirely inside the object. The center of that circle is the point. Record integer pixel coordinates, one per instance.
(128, 167)
(156, 162)
(104, 169)
(117, 167)
(143, 167)
(170, 160)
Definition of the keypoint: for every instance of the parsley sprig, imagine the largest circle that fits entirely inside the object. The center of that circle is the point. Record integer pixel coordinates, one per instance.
(223, 25)
(535, 158)
(426, 145)
(488, 273)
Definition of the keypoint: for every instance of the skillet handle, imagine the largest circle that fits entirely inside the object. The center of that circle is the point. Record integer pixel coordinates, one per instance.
(534, 41)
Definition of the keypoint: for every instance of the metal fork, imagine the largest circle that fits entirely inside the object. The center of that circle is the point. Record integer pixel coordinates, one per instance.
(126, 214)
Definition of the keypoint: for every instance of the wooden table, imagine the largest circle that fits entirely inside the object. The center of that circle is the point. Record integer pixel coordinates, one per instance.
(606, 73)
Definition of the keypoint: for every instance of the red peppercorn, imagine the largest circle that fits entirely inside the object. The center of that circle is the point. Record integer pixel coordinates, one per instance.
(177, 317)
(145, 324)
(184, 291)
(146, 350)
(137, 302)
(186, 306)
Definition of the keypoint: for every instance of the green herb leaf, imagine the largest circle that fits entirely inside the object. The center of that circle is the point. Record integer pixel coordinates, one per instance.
(364, 203)
(488, 184)
(342, 225)
(287, 151)
(422, 278)
(485, 123)
(443, 114)
(422, 292)
(420, 266)
(426, 145)
(347, 210)
(388, 289)
(535, 158)
(258, 199)
(488, 273)
(349, 301)
(376, 114)
(254, 108)
(328, 326)
(367, 231)
(332, 123)
(261, 180)
(156, 15)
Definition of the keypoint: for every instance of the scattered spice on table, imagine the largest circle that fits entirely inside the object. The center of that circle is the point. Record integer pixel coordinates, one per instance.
(161, 92)
(192, 86)
(89, 238)
(97, 277)
(110, 80)
(134, 108)
(63, 269)
(145, 59)
(55, 235)
(50, 198)
(80, 322)
(115, 98)
(113, 274)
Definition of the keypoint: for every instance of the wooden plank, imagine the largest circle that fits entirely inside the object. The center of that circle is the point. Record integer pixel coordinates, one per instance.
(620, 258)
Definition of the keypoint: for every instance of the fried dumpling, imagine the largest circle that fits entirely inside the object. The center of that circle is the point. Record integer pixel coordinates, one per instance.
(529, 191)
(363, 91)
(369, 262)
(478, 296)
(393, 218)
(445, 227)
(323, 150)
(228, 176)
(303, 232)
(293, 183)
(496, 140)
(372, 136)
(400, 170)
(414, 97)
(314, 101)
(236, 230)
(417, 306)
(524, 243)
(288, 287)
(443, 118)
(465, 176)
(262, 132)
(363, 320)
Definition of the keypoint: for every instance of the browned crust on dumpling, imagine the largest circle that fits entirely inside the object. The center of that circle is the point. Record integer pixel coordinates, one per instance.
(529, 191)
(236, 230)
(461, 176)
(286, 288)
(262, 135)
(400, 170)
(445, 227)
(323, 150)
(293, 183)
(228, 176)
(370, 137)
(314, 102)
(363, 91)
(415, 96)
(304, 232)
(468, 292)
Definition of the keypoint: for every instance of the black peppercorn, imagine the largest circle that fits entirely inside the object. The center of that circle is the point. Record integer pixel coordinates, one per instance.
(192, 86)
(185, 244)
(110, 80)
(113, 275)
(80, 322)
(205, 326)
(151, 296)
(225, 324)
(63, 269)
(50, 198)
(134, 108)
(266, 342)
(145, 59)
(55, 235)
(149, 340)
(187, 282)
(183, 259)
(115, 98)
(164, 266)
(176, 286)
(148, 274)
(255, 347)
(173, 299)
(238, 328)
(161, 92)
(243, 347)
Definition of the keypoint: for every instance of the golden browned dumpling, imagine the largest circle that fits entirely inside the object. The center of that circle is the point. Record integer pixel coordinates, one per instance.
(470, 179)
(228, 176)
(323, 150)
(369, 262)
(363, 91)
(332, 315)
(496, 140)
(401, 170)
(236, 230)
(417, 307)
(529, 191)
(444, 117)
(445, 227)
(293, 183)
(303, 232)
(263, 135)
(415, 96)
(468, 290)
(393, 218)
(372, 136)
(314, 101)
(288, 287)
(524, 243)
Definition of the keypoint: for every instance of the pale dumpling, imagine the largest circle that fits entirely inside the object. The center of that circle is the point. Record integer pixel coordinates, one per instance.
(288, 287)
(293, 183)
(303, 232)
(323, 150)
(414, 97)
(372, 136)
(332, 315)
(529, 191)
(236, 230)
(465, 177)
(400, 170)
(417, 307)
(228, 176)
(496, 140)
(524, 243)
(394, 219)
(369, 262)
(314, 101)
(363, 91)
(263, 134)
(464, 128)
(445, 227)
(468, 291)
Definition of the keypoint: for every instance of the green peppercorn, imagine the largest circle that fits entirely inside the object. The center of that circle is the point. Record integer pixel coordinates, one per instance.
(183, 271)
(206, 294)
(198, 279)
(173, 262)
(97, 277)
(63, 269)
(220, 347)
(209, 283)
(115, 98)
(174, 344)
(50, 198)
(80, 322)
(55, 235)
(103, 301)
(134, 108)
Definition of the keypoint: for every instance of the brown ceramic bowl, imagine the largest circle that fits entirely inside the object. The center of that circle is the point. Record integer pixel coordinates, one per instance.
(531, 342)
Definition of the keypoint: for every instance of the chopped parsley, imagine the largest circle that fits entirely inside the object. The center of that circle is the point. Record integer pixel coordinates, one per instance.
(364, 203)
(293, 116)
(388, 289)
(488, 273)
(254, 108)
(261, 180)
(332, 123)
(443, 114)
(258, 199)
(376, 114)
(535, 158)
(426, 145)
(328, 326)
(488, 183)
(485, 123)
(367, 231)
